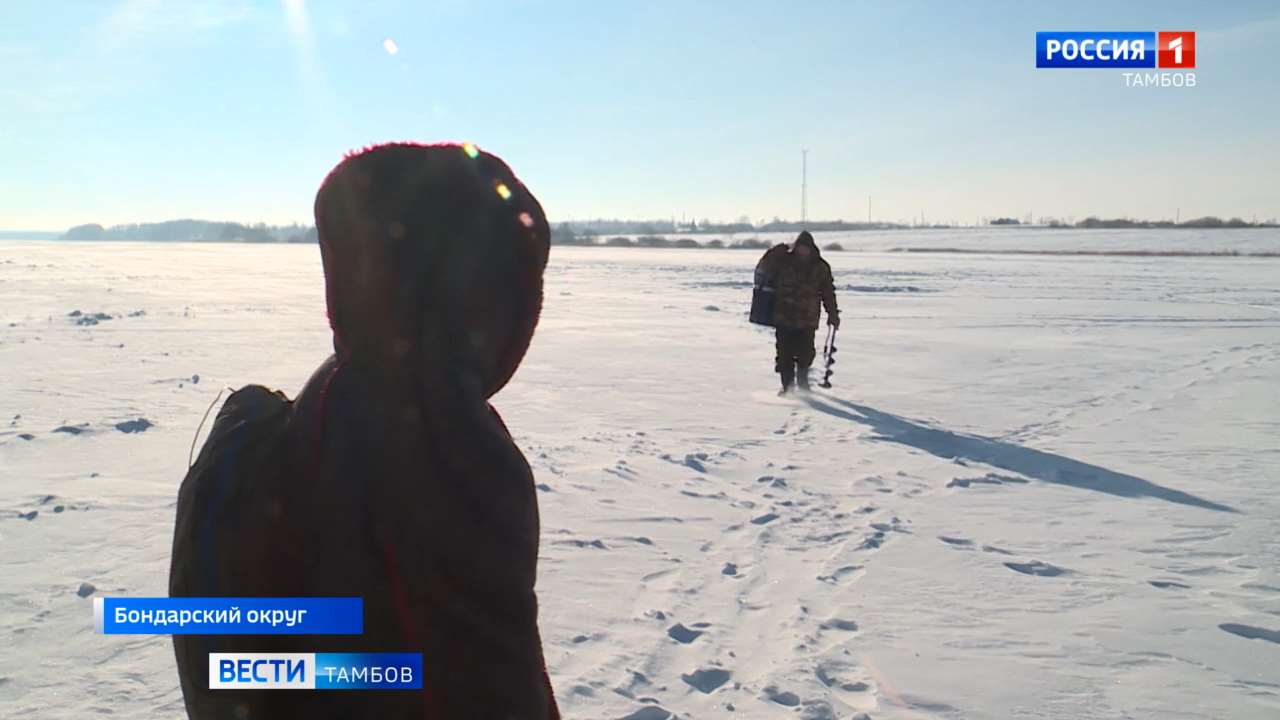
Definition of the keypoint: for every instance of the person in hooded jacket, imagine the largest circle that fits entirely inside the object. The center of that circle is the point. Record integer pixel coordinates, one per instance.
(389, 477)
(803, 286)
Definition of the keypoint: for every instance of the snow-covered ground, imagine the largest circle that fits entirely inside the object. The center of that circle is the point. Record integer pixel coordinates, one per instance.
(1040, 488)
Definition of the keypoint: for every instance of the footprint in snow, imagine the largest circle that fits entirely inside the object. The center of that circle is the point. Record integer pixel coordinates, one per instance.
(695, 461)
(773, 481)
(839, 574)
(988, 479)
(682, 634)
(894, 525)
(708, 496)
(72, 429)
(872, 541)
(649, 712)
(706, 680)
(598, 544)
(656, 574)
(785, 698)
(819, 710)
(826, 678)
(1035, 567)
(827, 538)
(134, 426)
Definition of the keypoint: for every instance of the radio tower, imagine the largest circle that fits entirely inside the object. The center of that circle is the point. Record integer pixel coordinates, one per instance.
(804, 187)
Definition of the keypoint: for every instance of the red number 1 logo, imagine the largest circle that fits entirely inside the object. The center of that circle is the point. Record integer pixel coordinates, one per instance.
(1177, 49)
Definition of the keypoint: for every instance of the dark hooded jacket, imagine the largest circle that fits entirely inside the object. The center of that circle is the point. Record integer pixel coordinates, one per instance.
(803, 285)
(390, 477)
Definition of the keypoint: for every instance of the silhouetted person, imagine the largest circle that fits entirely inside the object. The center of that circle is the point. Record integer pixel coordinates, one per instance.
(389, 477)
(802, 283)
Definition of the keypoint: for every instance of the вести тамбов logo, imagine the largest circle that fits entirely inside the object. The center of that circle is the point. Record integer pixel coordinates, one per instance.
(1163, 58)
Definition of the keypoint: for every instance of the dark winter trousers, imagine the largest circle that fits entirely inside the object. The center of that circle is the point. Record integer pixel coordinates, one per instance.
(795, 351)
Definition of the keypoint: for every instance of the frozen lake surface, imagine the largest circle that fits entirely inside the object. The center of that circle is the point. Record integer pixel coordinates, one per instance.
(1042, 487)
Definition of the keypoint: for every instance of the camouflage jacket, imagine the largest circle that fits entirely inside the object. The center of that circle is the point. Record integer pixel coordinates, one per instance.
(801, 286)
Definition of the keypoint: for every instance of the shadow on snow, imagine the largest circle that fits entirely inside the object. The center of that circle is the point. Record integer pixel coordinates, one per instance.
(1037, 464)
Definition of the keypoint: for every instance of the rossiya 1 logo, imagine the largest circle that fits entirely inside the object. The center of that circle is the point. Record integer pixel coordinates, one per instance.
(1163, 51)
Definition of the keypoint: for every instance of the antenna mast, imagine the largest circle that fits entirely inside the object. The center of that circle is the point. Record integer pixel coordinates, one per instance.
(804, 187)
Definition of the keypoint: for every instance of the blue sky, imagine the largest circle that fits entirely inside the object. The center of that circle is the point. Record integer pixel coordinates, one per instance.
(139, 110)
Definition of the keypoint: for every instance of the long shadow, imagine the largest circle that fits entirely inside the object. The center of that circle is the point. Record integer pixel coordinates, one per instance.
(1037, 464)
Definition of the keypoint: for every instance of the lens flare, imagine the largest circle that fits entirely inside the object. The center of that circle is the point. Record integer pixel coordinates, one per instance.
(470, 150)
(526, 219)
(503, 191)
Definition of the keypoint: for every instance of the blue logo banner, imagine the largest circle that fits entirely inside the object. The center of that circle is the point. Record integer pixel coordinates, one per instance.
(229, 616)
(368, 671)
(1089, 49)
(315, 671)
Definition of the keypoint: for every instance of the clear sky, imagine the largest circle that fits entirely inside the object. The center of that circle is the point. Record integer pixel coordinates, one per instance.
(138, 110)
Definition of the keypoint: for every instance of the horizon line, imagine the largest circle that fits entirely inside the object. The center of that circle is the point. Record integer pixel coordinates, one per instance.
(986, 222)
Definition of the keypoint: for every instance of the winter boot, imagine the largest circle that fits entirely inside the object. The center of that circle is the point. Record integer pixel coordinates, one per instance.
(802, 379)
(788, 373)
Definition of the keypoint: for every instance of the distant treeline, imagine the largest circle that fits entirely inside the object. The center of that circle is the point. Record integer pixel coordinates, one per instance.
(1093, 222)
(613, 228)
(561, 237)
(1091, 253)
(1208, 221)
(613, 233)
(195, 231)
(561, 234)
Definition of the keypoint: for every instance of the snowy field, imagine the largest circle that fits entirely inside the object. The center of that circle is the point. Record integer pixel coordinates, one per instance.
(1042, 487)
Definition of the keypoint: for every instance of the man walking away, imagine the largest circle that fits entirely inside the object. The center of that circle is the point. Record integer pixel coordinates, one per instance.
(802, 281)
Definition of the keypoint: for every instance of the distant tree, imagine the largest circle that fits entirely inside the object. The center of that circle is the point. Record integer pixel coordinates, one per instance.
(310, 235)
(1208, 221)
(565, 234)
(619, 242)
(93, 231)
(715, 243)
(835, 247)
